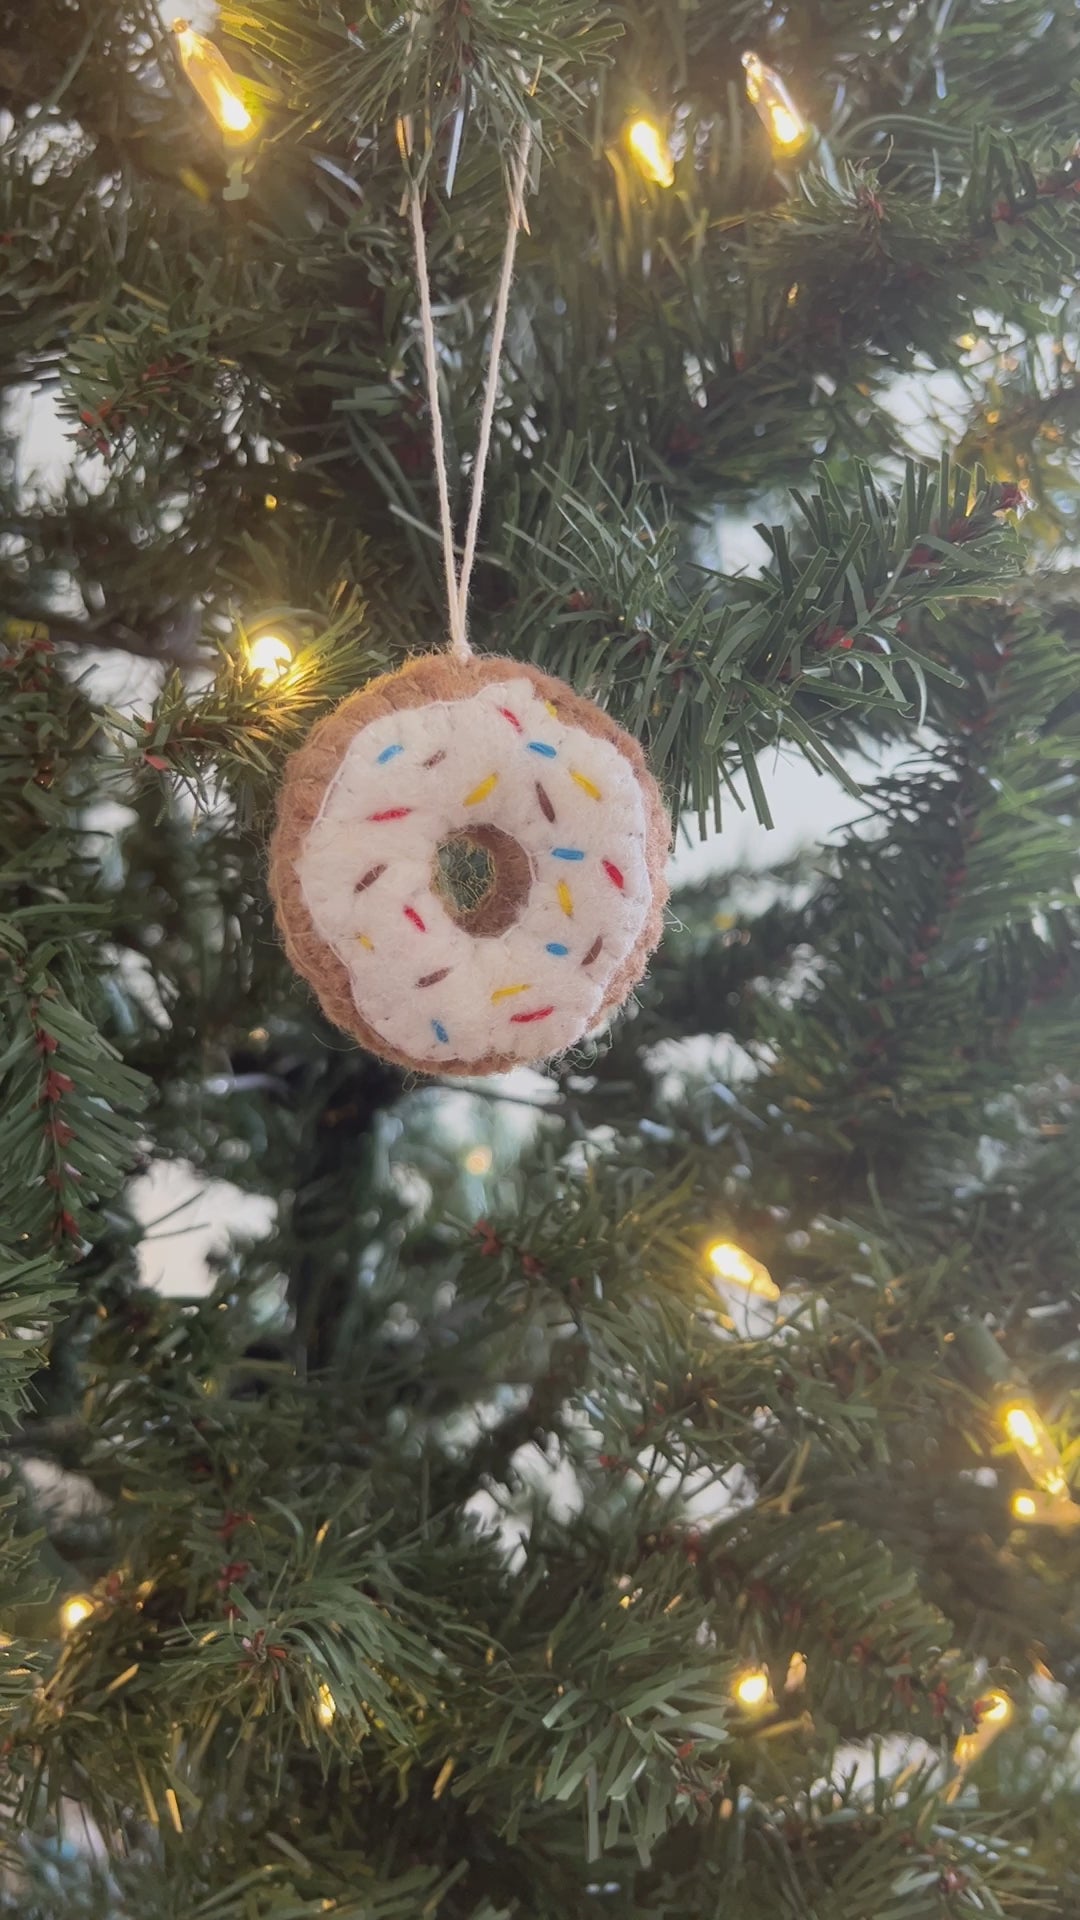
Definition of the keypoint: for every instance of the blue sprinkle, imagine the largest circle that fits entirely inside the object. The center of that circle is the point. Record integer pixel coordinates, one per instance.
(541, 746)
(567, 853)
(556, 946)
(440, 1032)
(388, 754)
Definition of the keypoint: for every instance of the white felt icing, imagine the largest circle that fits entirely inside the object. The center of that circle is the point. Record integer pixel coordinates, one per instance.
(374, 931)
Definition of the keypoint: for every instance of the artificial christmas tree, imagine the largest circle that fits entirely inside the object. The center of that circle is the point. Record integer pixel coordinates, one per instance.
(642, 1488)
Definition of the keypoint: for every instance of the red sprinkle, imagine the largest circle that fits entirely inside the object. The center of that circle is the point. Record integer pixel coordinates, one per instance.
(392, 813)
(614, 873)
(512, 717)
(524, 1019)
(411, 914)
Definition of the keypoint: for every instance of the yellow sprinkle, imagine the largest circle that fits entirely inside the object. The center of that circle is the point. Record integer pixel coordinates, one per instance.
(174, 1808)
(481, 792)
(553, 710)
(504, 993)
(365, 942)
(587, 786)
(566, 899)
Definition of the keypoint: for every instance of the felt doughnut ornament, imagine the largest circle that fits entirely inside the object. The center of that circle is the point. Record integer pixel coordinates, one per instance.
(469, 865)
(469, 859)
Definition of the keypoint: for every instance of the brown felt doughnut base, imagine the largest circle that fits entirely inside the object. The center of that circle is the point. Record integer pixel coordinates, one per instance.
(435, 678)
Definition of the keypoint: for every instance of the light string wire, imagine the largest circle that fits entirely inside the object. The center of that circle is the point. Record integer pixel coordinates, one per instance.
(457, 581)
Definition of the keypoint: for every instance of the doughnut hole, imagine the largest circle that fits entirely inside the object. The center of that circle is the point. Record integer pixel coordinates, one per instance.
(483, 876)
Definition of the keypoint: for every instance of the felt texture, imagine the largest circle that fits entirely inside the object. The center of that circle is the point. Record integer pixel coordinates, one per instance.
(573, 822)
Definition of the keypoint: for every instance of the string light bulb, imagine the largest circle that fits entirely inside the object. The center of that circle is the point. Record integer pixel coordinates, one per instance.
(796, 1673)
(1040, 1509)
(1035, 1450)
(327, 1707)
(993, 1713)
(213, 80)
(740, 1269)
(74, 1611)
(774, 106)
(269, 657)
(751, 1689)
(651, 151)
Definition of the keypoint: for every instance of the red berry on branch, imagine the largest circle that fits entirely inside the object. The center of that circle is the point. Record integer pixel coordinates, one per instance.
(485, 1233)
(831, 640)
(232, 1522)
(55, 1085)
(682, 442)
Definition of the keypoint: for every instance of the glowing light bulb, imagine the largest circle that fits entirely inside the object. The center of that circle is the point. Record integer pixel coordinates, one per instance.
(751, 1689)
(1020, 1426)
(997, 1707)
(269, 657)
(796, 1673)
(1035, 1450)
(651, 151)
(1041, 1509)
(739, 1269)
(993, 1713)
(327, 1707)
(213, 79)
(478, 1160)
(75, 1611)
(774, 105)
